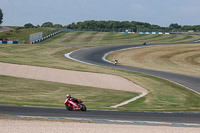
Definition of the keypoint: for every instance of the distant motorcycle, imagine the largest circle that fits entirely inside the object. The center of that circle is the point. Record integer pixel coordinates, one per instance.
(72, 105)
(115, 62)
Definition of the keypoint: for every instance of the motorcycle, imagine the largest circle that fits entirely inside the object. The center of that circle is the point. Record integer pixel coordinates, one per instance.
(72, 105)
(115, 62)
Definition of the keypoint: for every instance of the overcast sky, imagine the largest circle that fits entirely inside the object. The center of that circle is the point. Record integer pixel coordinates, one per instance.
(160, 12)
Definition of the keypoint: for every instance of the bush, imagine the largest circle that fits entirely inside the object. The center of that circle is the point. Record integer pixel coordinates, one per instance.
(29, 25)
(47, 24)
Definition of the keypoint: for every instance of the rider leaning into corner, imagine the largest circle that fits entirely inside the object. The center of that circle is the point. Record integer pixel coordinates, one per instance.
(69, 97)
(115, 62)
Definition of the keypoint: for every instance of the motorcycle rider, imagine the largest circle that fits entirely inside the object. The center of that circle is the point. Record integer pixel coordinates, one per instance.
(115, 62)
(69, 97)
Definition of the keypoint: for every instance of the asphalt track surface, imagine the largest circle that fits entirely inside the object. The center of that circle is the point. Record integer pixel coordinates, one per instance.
(94, 56)
(148, 118)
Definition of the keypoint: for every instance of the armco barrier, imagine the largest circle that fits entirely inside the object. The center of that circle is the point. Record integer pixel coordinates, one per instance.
(9, 42)
(46, 37)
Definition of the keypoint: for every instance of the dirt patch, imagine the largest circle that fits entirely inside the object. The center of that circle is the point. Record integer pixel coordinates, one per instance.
(5, 28)
(70, 77)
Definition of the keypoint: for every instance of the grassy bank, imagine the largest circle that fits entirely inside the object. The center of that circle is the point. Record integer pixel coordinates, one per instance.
(22, 35)
(90, 39)
(18, 91)
(163, 95)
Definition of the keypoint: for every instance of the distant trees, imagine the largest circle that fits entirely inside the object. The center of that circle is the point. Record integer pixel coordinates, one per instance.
(47, 24)
(120, 26)
(175, 26)
(185, 28)
(133, 26)
(106, 25)
(29, 25)
(51, 25)
(195, 28)
(1, 16)
(57, 26)
(117, 26)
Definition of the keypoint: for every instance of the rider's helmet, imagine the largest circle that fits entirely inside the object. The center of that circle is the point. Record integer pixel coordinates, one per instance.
(68, 95)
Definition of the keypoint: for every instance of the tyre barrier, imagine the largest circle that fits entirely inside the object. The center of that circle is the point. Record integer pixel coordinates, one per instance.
(155, 33)
(9, 42)
(46, 37)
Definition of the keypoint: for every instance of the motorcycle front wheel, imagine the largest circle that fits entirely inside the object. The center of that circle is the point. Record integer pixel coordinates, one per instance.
(69, 107)
(83, 107)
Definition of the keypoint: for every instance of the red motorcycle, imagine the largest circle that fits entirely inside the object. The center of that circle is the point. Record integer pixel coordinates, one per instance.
(72, 105)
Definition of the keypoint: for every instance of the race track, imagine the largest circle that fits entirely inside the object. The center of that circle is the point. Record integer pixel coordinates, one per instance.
(95, 56)
(121, 117)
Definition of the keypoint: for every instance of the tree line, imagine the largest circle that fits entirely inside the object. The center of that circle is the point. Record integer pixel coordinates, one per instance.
(46, 24)
(120, 26)
(132, 26)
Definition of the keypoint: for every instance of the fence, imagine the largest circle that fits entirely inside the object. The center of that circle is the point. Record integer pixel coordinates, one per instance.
(35, 36)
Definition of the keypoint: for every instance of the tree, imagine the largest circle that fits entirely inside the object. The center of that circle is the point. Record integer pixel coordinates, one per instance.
(175, 26)
(29, 25)
(1, 16)
(57, 26)
(47, 24)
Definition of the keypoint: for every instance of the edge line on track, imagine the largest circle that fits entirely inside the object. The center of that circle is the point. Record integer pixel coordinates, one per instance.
(132, 122)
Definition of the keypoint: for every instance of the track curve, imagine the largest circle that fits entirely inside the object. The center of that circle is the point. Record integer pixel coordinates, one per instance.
(95, 56)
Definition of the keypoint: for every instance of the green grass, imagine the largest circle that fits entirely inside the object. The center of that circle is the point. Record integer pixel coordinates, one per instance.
(19, 91)
(23, 34)
(89, 38)
(163, 95)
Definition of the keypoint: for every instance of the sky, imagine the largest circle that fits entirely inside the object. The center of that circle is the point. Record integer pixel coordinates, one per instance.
(159, 12)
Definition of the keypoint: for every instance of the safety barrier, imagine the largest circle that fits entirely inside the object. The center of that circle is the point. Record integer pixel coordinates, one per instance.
(8, 42)
(130, 32)
(46, 37)
(156, 33)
